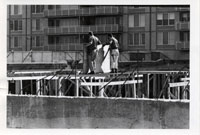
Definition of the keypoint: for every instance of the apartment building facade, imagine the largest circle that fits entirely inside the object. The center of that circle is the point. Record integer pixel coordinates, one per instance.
(146, 33)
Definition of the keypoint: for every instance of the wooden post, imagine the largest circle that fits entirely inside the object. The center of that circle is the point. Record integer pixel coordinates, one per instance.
(60, 87)
(102, 89)
(91, 88)
(21, 87)
(154, 85)
(134, 90)
(148, 85)
(169, 95)
(31, 87)
(77, 87)
(38, 89)
(158, 85)
(56, 87)
(178, 93)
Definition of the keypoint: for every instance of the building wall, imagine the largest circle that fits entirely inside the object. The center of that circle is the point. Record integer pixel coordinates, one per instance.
(122, 29)
(53, 112)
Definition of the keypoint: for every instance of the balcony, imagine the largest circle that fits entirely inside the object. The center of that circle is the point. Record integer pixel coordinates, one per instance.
(183, 26)
(83, 11)
(83, 29)
(182, 45)
(183, 8)
(38, 57)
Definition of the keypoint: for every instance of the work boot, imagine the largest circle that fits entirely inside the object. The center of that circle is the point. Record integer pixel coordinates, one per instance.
(116, 70)
(112, 70)
(92, 72)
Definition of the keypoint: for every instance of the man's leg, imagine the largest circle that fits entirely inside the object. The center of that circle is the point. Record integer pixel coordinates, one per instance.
(90, 62)
(115, 59)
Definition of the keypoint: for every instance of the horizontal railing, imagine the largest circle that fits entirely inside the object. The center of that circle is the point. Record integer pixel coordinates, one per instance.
(183, 25)
(83, 11)
(21, 57)
(182, 45)
(83, 29)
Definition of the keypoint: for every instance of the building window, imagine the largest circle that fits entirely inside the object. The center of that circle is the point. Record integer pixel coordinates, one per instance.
(184, 16)
(52, 40)
(54, 23)
(16, 25)
(71, 39)
(165, 19)
(37, 41)
(16, 9)
(37, 8)
(50, 7)
(137, 56)
(136, 39)
(68, 22)
(62, 7)
(16, 42)
(166, 38)
(171, 18)
(184, 36)
(106, 20)
(137, 20)
(37, 24)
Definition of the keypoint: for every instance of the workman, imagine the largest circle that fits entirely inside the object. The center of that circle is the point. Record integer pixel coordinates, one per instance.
(92, 51)
(113, 47)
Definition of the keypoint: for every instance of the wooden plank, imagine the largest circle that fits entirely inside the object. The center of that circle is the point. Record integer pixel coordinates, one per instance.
(111, 83)
(26, 78)
(148, 85)
(102, 89)
(185, 79)
(178, 84)
(77, 88)
(38, 89)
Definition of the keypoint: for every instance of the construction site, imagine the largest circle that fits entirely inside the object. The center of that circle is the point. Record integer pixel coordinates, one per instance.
(47, 66)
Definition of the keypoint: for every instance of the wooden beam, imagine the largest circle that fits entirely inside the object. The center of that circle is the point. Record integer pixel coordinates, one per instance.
(26, 78)
(185, 79)
(148, 85)
(111, 83)
(178, 84)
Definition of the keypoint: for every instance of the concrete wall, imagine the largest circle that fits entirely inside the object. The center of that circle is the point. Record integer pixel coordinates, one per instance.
(54, 112)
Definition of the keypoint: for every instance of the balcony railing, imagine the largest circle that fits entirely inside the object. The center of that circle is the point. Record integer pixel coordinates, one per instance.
(83, 29)
(183, 26)
(83, 11)
(18, 57)
(183, 8)
(182, 45)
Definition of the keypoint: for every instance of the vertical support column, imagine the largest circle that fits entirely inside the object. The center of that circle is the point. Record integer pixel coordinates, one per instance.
(77, 87)
(21, 88)
(90, 87)
(102, 89)
(38, 89)
(31, 87)
(148, 85)
(158, 85)
(169, 93)
(154, 86)
(60, 86)
(178, 93)
(134, 90)
(56, 87)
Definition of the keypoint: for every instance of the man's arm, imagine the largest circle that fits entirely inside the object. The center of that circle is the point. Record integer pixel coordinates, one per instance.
(90, 42)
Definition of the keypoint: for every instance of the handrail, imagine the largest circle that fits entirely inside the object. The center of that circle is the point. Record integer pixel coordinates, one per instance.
(29, 54)
(10, 53)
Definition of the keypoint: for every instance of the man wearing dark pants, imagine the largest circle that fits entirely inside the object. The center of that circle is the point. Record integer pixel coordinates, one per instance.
(114, 45)
(92, 51)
